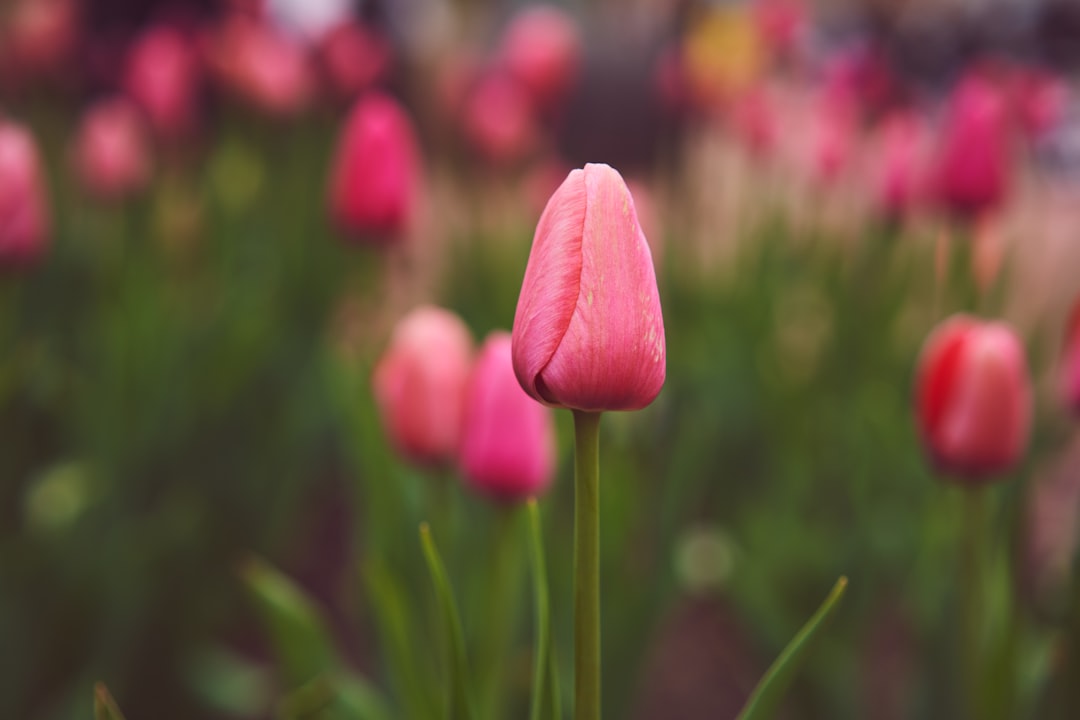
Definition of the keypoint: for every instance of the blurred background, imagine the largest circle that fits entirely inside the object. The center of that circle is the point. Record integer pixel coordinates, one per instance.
(191, 309)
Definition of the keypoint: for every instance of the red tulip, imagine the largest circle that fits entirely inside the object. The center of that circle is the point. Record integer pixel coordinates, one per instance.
(1070, 375)
(498, 120)
(374, 182)
(973, 164)
(163, 77)
(24, 220)
(507, 445)
(588, 331)
(541, 48)
(111, 155)
(420, 384)
(973, 396)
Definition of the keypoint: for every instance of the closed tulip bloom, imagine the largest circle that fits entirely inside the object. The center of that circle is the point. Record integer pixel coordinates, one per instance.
(541, 48)
(163, 76)
(24, 220)
(111, 155)
(1071, 361)
(973, 396)
(498, 120)
(420, 384)
(900, 165)
(973, 170)
(353, 58)
(508, 442)
(588, 330)
(374, 182)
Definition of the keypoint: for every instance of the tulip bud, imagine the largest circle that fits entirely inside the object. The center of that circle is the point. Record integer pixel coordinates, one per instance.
(973, 164)
(110, 155)
(373, 184)
(24, 222)
(162, 76)
(353, 58)
(1070, 369)
(542, 50)
(588, 330)
(498, 120)
(507, 444)
(899, 165)
(973, 398)
(420, 384)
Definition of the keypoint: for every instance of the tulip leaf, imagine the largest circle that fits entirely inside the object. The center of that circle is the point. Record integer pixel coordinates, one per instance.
(105, 707)
(461, 707)
(334, 696)
(545, 677)
(300, 638)
(772, 686)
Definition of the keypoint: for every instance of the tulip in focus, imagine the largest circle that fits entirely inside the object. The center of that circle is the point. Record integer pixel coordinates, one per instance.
(420, 384)
(163, 77)
(1070, 369)
(24, 221)
(374, 181)
(508, 442)
(588, 330)
(973, 398)
(111, 155)
(541, 48)
(973, 168)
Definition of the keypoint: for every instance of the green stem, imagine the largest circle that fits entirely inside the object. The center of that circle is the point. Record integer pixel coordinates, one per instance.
(972, 622)
(586, 565)
(501, 615)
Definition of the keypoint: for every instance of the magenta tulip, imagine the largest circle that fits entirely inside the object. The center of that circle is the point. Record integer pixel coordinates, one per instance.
(111, 156)
(374, 182)
(588, 331)
(353, 58)
(24, 219)
(1070, 375)
(163, 77)
(420, 384)
(973, 170)
(973, 398)
(508, 441)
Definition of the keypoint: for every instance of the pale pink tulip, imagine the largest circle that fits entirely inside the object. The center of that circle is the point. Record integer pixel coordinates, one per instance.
(24, 219)
(508, 441)
(542, 49)
(973, 398)
(588, 331)
(498, 120)
(420, 384)
(111, 156)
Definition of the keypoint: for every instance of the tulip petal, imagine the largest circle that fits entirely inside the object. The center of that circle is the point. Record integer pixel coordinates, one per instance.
(612, 356)
(549, 292)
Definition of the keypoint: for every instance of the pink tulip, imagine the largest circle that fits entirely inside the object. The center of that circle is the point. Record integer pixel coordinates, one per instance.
(24, 220)
(420, 384)
(899, 171)
(973, 398)
(354, 58)
(498, 120)
(111, 156)
(508, 441)
(163, 77)
(542, 49)
(754, 121)
(268, 69)
(1041, 101)
(781, 23)
(588, 331)
(40, 36)
(973, 168)
(1070, 374)
(374, 182)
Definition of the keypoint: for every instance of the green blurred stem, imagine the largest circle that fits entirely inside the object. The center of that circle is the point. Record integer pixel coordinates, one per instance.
(586, 565)
(502, 602)
(972, 586)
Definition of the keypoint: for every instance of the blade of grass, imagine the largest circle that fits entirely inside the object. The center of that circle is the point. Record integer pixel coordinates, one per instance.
(460, 703)
(104, 706)
(545, 679)
(772, 686)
